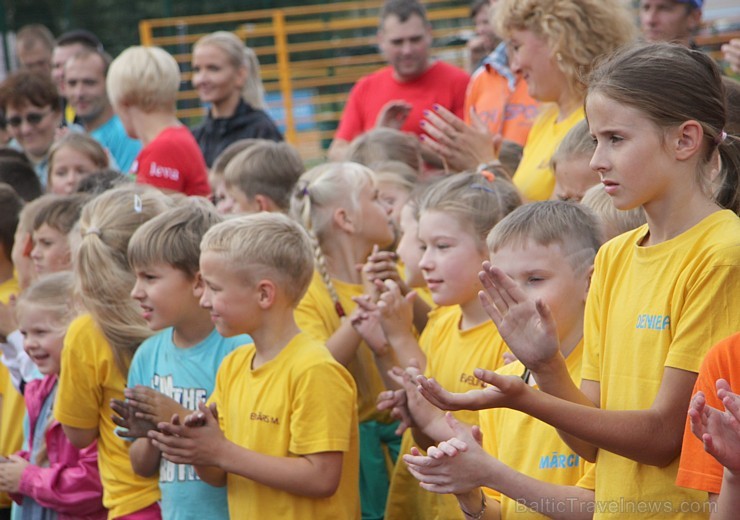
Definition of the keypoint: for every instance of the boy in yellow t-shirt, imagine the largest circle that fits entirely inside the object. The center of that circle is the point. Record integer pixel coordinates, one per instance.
(280, 430)
(548, 250)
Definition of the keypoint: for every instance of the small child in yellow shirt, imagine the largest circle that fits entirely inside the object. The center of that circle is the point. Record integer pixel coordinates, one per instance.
(280, 430)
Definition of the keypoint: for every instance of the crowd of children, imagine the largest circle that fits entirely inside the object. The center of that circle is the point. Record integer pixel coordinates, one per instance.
(369, 338)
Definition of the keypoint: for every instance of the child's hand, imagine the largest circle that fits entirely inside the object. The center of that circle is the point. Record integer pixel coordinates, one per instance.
(366, 321)
(503, 392)
(527, 326)
(133, 426)
(382, 266)
(10, 473)
(395, 401)
(719, 431)
(420, 410)
(198, 445)
(151, 405)
(396, 310)
(454, 466)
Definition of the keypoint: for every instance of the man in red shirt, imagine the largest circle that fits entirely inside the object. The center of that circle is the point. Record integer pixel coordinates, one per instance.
(397, 95)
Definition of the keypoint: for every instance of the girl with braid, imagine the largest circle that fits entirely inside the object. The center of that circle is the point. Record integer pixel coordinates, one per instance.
(338, 204)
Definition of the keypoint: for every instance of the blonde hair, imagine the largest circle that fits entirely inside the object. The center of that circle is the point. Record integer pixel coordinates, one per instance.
(577, 31)
(54, 294)
(104, 278)
(145, 77)
(224, 158)
(265, 242)
(240, 56)
(174, 237)
(318, 193)
(576, 143)
(397, 173)
(61, 212)
(385, 144)
(266, 168)
(473, 199)
(570, 225)
(613, 221)
(83, 144)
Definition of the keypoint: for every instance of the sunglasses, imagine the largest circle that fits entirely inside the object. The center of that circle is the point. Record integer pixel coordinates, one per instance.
(32, 118)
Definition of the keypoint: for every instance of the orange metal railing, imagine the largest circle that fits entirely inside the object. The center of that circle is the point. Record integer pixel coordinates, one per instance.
(310, 57)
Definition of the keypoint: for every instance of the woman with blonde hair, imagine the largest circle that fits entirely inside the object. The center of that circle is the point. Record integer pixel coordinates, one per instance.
(226, 75)
(553, 46)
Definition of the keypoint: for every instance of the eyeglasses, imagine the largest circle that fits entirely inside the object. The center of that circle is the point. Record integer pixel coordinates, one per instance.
(32, 118)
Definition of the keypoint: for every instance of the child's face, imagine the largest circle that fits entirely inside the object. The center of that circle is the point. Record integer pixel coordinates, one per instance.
(573, 177)
(50, 253)
(631, 156)
(70, 166)
(241, 204)
(410, 247)
(227, 296)
(42, 339)
(167, 295)
(451, 259)
(544, 273)
(374, 221)
(222, 198)
(394, 198)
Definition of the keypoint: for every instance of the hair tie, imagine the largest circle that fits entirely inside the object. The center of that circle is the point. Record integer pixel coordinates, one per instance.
(488, 175)
(92, 230)
(138, 203)
(720, 138)
(303, 192)
(477, 186)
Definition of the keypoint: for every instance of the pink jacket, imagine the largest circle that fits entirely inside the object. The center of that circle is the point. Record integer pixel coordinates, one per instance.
(71, 484)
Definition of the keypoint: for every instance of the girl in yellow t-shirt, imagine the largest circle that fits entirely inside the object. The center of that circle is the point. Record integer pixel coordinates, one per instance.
(660, 295)
(338, 204)
(98, 346)
(455, 216)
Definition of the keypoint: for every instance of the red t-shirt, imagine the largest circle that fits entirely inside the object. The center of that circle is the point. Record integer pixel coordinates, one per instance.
(173, 161)
(442, 83)
(697, 469)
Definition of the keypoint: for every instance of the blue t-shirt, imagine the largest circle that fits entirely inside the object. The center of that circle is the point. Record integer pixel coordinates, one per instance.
(113, 136)
(188, 376)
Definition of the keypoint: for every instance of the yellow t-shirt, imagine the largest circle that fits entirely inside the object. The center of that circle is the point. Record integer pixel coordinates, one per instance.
(532, 447)
(89, 379)
(452, 355)
(649, 308)
(317, 316)
(13, 407)
(299, 403)
(534, 177)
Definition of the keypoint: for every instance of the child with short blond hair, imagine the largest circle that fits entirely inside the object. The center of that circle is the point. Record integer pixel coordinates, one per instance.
(281, 428)
(174, 370)
(142, 83)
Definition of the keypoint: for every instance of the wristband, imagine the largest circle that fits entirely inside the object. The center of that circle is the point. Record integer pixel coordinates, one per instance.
(479, 514)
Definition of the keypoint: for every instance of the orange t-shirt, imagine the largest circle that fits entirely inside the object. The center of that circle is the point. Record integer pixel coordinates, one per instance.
(506, 112)
(697, 468)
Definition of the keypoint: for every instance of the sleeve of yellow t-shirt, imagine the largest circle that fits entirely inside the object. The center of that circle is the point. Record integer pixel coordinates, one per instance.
(79, 394)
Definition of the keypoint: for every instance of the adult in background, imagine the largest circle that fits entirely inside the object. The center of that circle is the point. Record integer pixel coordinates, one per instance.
(66, 46)
(485, 39)
(673, 21)
(33, 114)
(84, 84)
(396, 96)
(34, 45)
(226, 75)
(553, 45)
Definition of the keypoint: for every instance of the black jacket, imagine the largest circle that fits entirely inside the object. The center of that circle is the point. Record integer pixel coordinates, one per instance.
(213, 135)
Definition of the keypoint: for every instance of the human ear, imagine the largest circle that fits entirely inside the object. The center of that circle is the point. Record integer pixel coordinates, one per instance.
(343, 220)
(198, 285)
(688, 139)
(266, 293)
